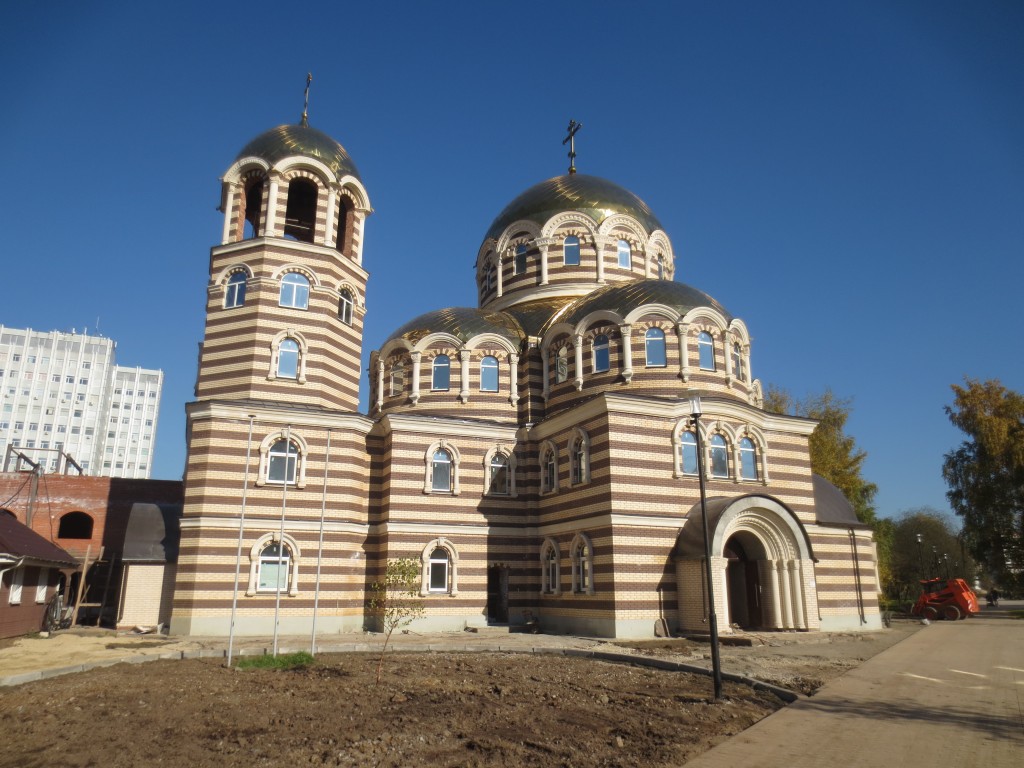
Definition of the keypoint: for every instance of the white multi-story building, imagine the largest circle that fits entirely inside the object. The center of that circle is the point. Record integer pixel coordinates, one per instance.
(62, 395)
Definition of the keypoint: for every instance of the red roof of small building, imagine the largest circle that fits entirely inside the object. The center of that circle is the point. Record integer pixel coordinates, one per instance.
(18, 540)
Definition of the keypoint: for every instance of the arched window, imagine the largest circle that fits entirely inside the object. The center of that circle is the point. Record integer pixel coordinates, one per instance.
(561, 365)
(345, 304)
(582, 565)
(625, 254)
(252, 226)
(294, 291)
(737, 363)
(706, 351)
(282, 461)
(551, 568)
(75, 525)
(441, 377)
(571, 251)
(654, 343)
(300, 213)
(579, 458)
(499, 476)
(661, 267)
(440, 574)
(688, 453)
(719, 456)
(748, 459)
(438, 570)
(397, 378)
(346, 224)
(441, 471)
(489, 374)
(234, 293)
(601, 358)
(519, 267)
(273, 568)
(288, 359)
(549, 470)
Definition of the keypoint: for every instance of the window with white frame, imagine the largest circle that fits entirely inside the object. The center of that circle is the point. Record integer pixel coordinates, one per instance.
(42, 582)
(345, 305)
(274, 565)
(234, 292)
(688, 453)
(582, 554)
(601, 358)
(17, 579)
(706, 351)
(282, 462)
(440, 563)
(549, 470)
(748, 459)
(499, 475)
(489, 374)
(441, 471)
(288, 359)
(625, 254)
(737, 363)
(719, 456)
(579, 458)
(571, 251)
(441, 373)
(654, 346)
(294, 291)
(551, 568)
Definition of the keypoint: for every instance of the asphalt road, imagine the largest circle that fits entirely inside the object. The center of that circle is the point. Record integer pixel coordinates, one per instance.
(949, 695)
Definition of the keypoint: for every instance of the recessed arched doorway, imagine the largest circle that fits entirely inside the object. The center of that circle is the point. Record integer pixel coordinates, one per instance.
(743, 580)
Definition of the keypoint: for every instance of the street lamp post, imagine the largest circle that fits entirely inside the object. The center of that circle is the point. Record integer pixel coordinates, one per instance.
(716, 661)
(920, 556)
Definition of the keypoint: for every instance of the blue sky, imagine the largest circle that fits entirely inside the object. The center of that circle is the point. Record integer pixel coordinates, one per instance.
(848, 178)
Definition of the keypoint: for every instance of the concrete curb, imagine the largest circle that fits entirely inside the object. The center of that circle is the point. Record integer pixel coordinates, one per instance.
(207, 653)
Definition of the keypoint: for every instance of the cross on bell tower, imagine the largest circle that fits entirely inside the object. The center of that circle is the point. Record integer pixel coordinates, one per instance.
(571, 140)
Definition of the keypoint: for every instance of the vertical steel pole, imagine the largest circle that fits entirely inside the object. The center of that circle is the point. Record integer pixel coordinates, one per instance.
(716, 661)
(280, 539)
(320, 546)
(241, 531)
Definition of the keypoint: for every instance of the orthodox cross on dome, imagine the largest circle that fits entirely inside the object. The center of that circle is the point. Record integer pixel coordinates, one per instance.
(571, 140)
(305, 106)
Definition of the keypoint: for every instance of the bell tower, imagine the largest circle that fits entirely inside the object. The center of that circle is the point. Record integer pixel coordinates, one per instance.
(286, 297)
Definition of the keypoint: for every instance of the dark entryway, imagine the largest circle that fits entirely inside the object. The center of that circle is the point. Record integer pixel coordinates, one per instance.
(497, 594)
(744, 586)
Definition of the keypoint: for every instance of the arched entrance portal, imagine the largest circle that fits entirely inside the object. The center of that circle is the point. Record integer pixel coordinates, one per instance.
(743, 580)
(761, 562)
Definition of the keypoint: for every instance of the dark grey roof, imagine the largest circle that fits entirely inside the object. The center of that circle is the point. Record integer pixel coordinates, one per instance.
(289, 140)
(594, 196)
(831, 507)
(18, 540)
(153, 533)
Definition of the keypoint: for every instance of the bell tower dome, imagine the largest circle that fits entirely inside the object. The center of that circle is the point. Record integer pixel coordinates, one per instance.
(286, 297)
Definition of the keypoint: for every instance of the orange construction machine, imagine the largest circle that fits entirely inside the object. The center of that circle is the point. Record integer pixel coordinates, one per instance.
(945, 599)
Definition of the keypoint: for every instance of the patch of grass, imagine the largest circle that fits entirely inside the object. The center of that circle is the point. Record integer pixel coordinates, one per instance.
(297, 660)
(1017, 614)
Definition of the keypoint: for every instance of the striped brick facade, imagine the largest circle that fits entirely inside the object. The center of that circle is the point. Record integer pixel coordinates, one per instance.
(534, 454)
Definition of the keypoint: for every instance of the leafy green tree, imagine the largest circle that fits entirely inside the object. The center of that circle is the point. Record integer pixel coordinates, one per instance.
(985, 475)
(395, 600)
(834, 454)
(939, 553)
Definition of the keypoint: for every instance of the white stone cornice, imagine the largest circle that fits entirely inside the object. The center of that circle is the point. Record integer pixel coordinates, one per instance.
(286, 248)
(268, 412)
(448, 427)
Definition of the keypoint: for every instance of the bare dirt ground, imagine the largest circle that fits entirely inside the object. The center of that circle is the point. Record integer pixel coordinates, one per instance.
(486, 708)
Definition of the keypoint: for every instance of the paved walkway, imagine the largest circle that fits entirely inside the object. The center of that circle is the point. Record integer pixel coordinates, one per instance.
(949, 695)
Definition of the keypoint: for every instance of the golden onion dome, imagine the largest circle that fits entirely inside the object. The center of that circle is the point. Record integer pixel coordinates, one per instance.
(463, 323)
(592, 195)
(290, 140)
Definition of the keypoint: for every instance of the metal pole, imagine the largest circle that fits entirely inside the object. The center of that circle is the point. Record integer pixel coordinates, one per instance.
(280, 539)
(320, 546)
(241, 531)
(716, 662)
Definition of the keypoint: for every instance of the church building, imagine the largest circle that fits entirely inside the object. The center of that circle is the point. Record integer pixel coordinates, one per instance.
(536, 454)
